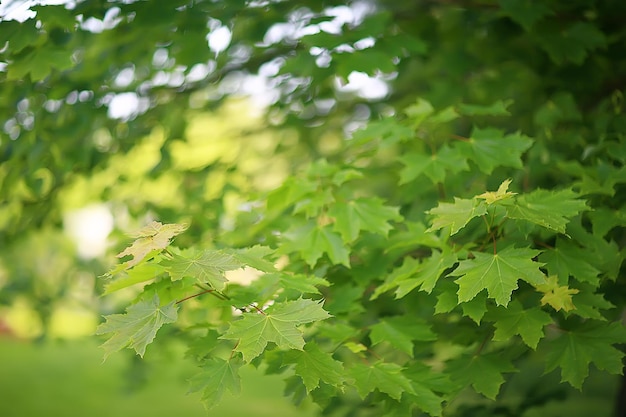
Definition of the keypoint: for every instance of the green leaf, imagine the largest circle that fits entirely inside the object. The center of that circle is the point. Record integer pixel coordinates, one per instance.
(456, 215)
(55, 16)
(447, 300)
(490, 148)
(292, 191)
(137, 327)
(369, 61)
(368, 214)
(475, 308)
(141, 273)
(588, 304)
(400, 332)
(549, 209)
(40, 63)
(492, 197)
(572, 44)
(557, 296)
(499, 108)
(19, 34)
(207, 266)
(419, 112)
(434, 166)
(388, 131)
(313, 365)
(566, 259)
(483, 372)
(575, 349)
(426, 382)
(312, 241)
(525, 12)
(254, 257)
(277, 324)
(515, 320)
(413, 273)
(153, 237)
(385, 377)
(498, 273)
(216, 377)
(302, 283)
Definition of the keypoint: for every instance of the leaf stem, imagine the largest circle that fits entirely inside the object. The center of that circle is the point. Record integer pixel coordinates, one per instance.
(461, 138)
(232, 352)
(194, 296)
(214, 292)
(483, 344)
(258, 309)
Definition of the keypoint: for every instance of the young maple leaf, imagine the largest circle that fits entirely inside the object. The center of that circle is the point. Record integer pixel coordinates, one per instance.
(153, 237)
(138, 327)
(277, 324)
(559, 297)
(491, 197)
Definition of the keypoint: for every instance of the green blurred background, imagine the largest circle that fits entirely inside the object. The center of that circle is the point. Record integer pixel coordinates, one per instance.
(69, 379)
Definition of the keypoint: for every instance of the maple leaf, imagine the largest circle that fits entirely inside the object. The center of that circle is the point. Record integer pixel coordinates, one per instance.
(490, 148)
(312, 241)
(588, 304)
(302, 283)
(362, 214)
(388, 131)
(385, 377)
(400, 332)
(492, 197)
(498, 273)
(482, 372)
(526, 13)
(313, 365)
(426, 382)
(141, 273)
(153, 237)
(456, 215)
(475, 308)
(514, 319)
(427, 274)
(277, 324)
(254, 257)
(549, 209)
(575, 349)
(207, 266)
(568, 259)
(559, 297)
(499, 108)
(137, 327)
(433, 166)
(217, 376)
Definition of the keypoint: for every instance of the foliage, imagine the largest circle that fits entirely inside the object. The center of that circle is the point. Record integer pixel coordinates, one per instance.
(410, 254)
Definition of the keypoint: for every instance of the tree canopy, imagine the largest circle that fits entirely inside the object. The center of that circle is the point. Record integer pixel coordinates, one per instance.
(427, 197)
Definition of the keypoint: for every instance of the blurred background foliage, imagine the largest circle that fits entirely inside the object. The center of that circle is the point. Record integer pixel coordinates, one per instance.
(118, 112)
